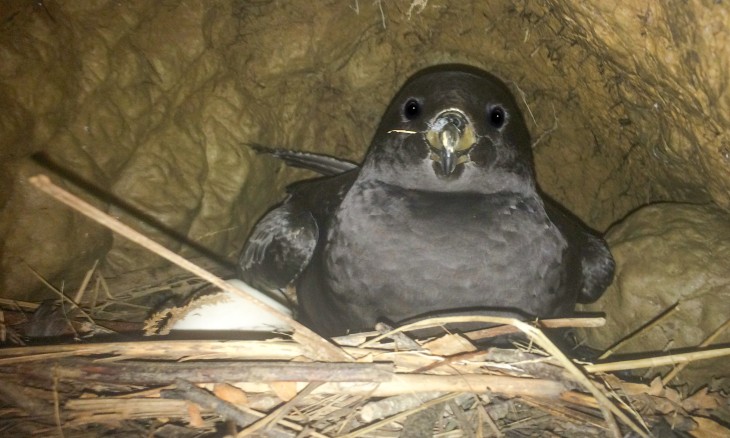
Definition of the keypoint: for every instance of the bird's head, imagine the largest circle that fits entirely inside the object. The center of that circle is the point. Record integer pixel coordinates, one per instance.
(453, 128)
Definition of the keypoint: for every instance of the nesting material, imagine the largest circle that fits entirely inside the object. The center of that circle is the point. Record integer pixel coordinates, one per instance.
(198, 385)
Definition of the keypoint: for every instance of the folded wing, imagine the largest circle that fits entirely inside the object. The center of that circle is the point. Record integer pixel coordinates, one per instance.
(279, 249)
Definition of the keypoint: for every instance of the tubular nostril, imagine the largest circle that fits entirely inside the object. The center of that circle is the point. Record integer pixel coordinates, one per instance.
(452, 118)
(457, 121)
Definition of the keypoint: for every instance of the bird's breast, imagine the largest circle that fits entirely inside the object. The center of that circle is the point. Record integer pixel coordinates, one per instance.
(418, 252)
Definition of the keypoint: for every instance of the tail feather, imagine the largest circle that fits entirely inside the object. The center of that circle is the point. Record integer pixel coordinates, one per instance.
(320, 163)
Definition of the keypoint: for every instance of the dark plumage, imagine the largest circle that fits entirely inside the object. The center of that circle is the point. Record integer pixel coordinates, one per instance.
(443, 217)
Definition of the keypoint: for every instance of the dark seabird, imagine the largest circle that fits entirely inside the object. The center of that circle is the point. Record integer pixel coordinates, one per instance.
(444, 217)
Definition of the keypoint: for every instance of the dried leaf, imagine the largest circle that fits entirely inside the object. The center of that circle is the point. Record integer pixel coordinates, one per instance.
(231, 394)
(702, 400)
(707, 428)
(195, 419)
(664, 400)
(449, 345)
(284, 390)
(656, 387)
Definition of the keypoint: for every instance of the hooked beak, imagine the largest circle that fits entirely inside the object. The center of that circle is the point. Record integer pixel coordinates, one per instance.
(450, 137)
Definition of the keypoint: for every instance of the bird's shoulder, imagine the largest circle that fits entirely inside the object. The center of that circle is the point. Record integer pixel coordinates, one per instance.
(283, 242)
(591, 250)
(321, 196)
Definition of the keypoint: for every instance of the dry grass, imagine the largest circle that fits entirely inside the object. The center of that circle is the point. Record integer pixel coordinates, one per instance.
(273, 385)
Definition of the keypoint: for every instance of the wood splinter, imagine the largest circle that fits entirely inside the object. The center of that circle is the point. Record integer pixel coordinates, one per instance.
(188, 391)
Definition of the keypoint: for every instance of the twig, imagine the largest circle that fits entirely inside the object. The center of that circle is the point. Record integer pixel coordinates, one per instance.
(607, 407)
(709, 340)
(386, 407)
(450, 360)
(16, 304)
(659, 361)
(560, 411)
(493, 332)
(162, 373)
(381, 423)
(288, 424)
(402, 341)
(279, 412)
(414, 383)
(105, 288)
(85, 282)
(485, 415)
(318, 346)
(506, 386)
(461, 419)
(173, 350)
(227, 410)
(60, 294)
(502, 329)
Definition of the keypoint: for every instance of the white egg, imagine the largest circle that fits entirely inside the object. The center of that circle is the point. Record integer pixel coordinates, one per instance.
(227, 311)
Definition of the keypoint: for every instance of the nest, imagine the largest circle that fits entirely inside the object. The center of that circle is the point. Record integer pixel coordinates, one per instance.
(391, 386)
(382, 383)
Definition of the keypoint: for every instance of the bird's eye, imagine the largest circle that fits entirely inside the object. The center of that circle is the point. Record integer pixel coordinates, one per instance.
(497, 116)
(412, 109)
